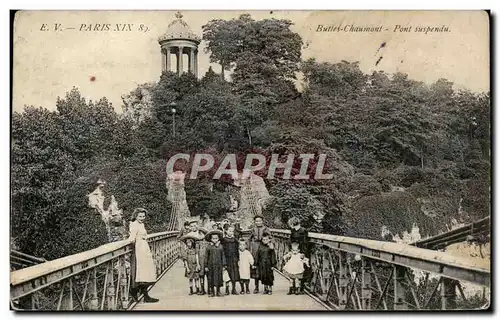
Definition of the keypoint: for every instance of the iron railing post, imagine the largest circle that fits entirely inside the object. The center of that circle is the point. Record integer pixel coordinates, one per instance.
(366, 285)
(448, 294)
(399, 288)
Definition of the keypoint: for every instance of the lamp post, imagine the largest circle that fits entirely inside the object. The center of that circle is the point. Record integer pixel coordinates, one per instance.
(172, 109)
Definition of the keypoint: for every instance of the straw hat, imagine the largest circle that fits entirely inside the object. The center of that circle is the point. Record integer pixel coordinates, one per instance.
(208, 236)
(188, 237)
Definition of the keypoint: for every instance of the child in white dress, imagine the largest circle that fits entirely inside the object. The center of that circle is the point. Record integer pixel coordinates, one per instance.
(294, 266)
(246, 262)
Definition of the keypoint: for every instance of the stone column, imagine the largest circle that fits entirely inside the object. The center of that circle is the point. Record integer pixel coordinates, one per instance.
(195, 69)
(180, 67)
(169, 59)
(191, 60)
(163, 61)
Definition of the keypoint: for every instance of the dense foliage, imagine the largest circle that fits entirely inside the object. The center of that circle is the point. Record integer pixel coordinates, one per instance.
(402, 152)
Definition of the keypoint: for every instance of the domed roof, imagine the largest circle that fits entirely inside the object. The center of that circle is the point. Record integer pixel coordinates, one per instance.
(179, 30)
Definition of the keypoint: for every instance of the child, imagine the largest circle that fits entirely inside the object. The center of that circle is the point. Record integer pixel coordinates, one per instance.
(215, 262)
(230, 244)
(300, 235)
(225, 225)
(183, 232)
(294, 267)
(245, 264)
(265, 262)
(201, 245)
(191, 263)
(254, 242)
(237, 228)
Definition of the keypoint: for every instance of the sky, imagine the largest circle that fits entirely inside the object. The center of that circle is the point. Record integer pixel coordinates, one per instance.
(47, 64)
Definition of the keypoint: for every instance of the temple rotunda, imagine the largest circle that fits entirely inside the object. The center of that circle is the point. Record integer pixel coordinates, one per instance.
(180, 41)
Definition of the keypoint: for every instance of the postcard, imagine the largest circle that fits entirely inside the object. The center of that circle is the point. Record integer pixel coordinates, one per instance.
(250, 160)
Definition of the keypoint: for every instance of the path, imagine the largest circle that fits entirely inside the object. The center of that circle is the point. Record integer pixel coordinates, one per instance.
(173, 291)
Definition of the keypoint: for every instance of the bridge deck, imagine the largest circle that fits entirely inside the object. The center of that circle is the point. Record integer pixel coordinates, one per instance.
(173, 291)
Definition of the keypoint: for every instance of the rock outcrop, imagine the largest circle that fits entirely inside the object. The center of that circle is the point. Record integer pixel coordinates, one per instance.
(112, 216)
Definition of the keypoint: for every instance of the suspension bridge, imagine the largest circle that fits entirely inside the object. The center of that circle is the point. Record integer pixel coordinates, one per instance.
(348, 274)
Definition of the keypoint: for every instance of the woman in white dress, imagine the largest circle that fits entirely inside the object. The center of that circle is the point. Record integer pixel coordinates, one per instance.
(143, 269)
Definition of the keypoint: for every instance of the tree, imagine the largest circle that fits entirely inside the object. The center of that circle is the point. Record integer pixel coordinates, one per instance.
(54, 158)
(207, 115)
(338, 81)
(225, 39)
(441, 90)
(265, 56)
(207, 197)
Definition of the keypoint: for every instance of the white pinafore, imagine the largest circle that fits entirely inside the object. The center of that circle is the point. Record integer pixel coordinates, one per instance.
(145, 266)
(295, 265)
(245, 262)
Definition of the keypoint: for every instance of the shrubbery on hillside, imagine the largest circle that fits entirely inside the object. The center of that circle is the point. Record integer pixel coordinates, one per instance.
(382, 133)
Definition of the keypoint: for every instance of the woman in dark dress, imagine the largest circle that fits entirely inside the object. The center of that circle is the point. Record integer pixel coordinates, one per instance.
(215, 262)
(265, 262)
(232, 255)
(300, 235)
(254, 242)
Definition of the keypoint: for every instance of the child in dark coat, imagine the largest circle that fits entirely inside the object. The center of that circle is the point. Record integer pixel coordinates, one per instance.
(215, 262)
(231, 253)
(254, 242)
(265, 262)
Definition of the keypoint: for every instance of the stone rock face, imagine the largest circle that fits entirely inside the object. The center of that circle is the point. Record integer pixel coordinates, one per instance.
(137, 105)
(112, 216)
(177, 195)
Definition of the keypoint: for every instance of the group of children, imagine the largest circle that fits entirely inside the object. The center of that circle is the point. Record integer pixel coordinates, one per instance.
(223, 258)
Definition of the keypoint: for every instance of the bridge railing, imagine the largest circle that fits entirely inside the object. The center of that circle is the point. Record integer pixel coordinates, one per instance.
(351, 273)
(97, 279)
(348, 273)
(19, 260)
(477, 231)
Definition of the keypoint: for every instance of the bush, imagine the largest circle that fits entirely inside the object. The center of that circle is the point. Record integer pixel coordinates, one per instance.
(398, 211)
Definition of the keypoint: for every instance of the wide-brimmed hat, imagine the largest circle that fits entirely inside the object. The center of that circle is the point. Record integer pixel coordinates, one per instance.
(198, 235)
(203, 230)
(208, 236)
(188, 236)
